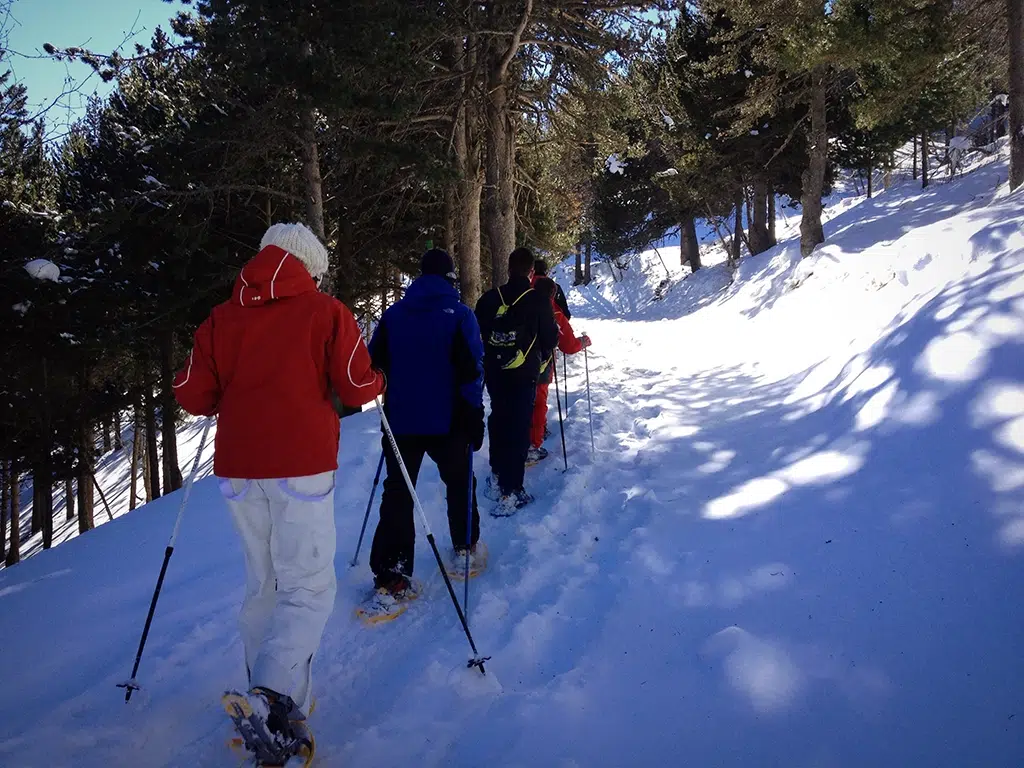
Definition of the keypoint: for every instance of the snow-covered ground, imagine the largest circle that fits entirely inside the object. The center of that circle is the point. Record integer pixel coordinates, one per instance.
(800, 541)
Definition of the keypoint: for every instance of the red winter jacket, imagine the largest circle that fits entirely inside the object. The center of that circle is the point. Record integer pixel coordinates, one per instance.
(567, 343)
(266, 362)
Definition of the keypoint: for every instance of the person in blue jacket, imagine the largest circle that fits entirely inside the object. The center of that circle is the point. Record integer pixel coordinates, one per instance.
(429, 347)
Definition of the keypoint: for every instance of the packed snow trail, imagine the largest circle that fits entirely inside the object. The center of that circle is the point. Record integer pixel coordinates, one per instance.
(800, 543)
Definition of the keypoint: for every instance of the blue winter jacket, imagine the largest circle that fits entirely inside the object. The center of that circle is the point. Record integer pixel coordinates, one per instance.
(428, 345)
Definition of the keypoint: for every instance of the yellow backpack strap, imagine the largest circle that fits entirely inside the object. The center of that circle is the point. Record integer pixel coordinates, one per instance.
(531, 345)
(520, 295)
(520, 357)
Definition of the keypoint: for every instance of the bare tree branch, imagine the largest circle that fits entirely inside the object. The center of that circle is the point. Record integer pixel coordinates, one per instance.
(513, 46)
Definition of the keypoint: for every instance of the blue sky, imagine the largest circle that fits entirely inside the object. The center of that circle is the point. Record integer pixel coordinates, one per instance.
(100, 25)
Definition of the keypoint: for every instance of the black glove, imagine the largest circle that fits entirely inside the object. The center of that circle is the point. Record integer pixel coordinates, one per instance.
(468, 421)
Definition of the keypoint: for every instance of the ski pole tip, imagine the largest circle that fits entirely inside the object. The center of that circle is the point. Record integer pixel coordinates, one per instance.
(130, 686)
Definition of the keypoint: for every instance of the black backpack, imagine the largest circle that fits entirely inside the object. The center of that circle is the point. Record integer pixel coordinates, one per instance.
(509, 342)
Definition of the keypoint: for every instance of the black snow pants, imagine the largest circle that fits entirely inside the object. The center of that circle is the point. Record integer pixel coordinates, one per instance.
(394, 541)
(512, 399)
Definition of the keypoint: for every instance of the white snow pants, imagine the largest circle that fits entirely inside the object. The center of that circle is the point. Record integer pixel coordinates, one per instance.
(287, 530)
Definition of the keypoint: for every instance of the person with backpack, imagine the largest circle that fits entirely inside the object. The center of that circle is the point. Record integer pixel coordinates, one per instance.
(428, 345)
(267, 363)
(568, 344)
(540, 270)
(519, 332)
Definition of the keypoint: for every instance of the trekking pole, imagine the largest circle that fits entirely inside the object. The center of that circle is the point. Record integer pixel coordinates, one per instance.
(561, 426)
(132, 684)
(469, 531)
(590, 408)
(366, 517)
(565, 380)
(476, 661)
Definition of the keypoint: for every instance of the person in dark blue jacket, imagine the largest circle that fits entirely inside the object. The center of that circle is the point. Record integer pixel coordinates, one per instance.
(429, 347)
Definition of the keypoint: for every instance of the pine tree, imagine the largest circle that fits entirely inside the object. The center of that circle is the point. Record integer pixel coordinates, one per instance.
(1015, 36)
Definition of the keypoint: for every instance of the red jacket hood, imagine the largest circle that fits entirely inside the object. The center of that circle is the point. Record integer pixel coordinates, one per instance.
(271, 274)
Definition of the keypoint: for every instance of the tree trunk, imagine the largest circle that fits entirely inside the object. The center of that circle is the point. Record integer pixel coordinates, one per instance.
(772, 239)
(759, 239)
(118, 443)
(924, 159)
(813, 178)
(869, 182)
(499, 104)
(469, 238)
(108, 444)
(586, 263)
(69, 497)
(915, 158)
(345, 276)
(499, 199)
(469, 188)
(689, 246)
(14, 551)
(147, 477)
(168, 413)
(42, 467)
(85, 490)
(451, 231)
(4, 496)
(1015, 15)
(133, 498)
(152, 450)
(42, 498)
(578, 275)
(313, 183)
(103, 496)
(737, 230)
(36, 520)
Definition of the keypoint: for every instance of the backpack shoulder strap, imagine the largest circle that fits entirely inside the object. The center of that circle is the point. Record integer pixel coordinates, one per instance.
(528, 290)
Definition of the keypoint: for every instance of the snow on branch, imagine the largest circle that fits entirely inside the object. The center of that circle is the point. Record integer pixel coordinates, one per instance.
(43, 269)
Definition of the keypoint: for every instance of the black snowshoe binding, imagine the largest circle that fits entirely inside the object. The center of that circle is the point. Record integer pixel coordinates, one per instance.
(271, 727)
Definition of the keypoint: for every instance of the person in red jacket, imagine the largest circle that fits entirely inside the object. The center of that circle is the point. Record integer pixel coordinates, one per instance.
(569, 345)
(267, 363)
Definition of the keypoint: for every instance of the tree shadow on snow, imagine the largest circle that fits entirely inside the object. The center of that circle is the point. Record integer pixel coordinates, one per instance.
(836, 549)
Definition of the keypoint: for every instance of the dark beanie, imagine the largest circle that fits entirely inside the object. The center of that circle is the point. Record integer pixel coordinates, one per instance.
(540, 267)
(438, 262)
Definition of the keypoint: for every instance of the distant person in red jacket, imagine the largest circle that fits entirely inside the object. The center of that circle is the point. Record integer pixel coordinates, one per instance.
(540, 270)
(569, 345)
(267, 362)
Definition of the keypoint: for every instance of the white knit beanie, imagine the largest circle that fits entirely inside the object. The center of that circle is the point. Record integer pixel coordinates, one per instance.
(300, 242)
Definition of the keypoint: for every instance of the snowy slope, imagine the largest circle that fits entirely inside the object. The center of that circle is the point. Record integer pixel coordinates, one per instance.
(799, 543)
(113, 473)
